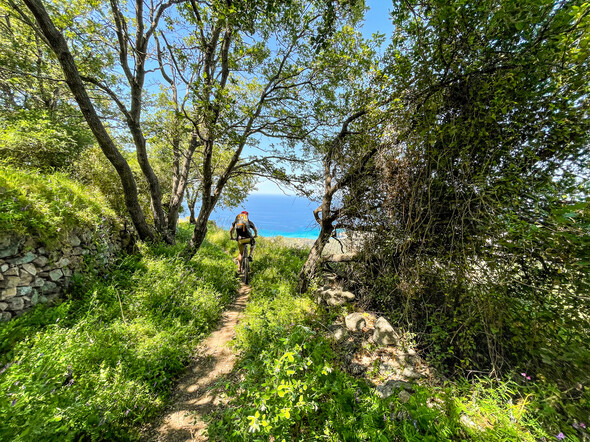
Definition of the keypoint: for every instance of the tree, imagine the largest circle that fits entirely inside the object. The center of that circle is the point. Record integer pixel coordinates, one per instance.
(493, 132)
(39, 124)
(349, 110)
(255, 62)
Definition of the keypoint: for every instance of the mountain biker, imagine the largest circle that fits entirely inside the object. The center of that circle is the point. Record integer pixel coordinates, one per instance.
(243, 228)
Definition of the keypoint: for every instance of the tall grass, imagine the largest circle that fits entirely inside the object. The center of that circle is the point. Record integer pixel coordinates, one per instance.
(102, 361)
(48, 206)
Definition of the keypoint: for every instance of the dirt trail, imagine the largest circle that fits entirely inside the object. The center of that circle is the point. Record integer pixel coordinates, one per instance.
(193, 399)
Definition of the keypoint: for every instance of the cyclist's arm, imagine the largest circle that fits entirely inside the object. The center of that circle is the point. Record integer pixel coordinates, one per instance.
(231, 232)
(255, 231)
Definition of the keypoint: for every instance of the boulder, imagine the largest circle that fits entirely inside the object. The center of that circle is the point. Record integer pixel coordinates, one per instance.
(12, 281)
(8, 293)
(25, 278)
(3, 268)
(24, 291)
(9, 250)
(74, 240)
(26, 258)
(404, 396)
(338, 333)
(35, 298)
(5, 316)
(49, 287)
(11, 272)
(409, 373)
(384, 333)
(30, 268)
(55, 274)
(3, 306)
(337, 298)
(16, 304)
(38, 282)
(355, 321)
(63, 262)
(41, 261)
(77, 251)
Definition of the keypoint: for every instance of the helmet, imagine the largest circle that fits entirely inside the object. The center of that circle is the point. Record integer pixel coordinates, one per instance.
(243, 211)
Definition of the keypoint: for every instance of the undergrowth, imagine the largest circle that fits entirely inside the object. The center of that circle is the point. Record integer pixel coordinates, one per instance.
(48, 206)
(292, 385)
(102, 362)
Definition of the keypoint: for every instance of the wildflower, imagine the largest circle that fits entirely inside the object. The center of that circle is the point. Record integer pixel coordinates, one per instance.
(16, 383)
(524, 375)
(127, 412)
(13, 403)
(582, 425)
(58, 229)
(15, 199)
(560, 436)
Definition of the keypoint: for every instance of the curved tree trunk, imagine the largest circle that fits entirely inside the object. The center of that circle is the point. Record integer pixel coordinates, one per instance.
(59, 46)
(314, 258)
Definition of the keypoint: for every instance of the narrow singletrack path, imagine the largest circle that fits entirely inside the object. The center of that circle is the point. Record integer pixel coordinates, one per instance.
(194, 396)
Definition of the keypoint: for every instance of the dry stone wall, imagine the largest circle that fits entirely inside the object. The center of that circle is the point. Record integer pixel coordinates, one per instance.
(31, 273)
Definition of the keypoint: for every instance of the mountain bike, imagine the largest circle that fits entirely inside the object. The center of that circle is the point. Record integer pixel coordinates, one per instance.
(245, 261)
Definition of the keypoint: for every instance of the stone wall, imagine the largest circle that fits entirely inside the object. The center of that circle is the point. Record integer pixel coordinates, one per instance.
(31, 273)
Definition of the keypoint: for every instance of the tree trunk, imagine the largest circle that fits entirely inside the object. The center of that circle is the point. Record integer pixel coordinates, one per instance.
(179, 186)
(200, 228)
(313, 260)
(72, 76)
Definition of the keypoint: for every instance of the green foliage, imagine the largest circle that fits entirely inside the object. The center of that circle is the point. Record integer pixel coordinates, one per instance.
(292, 386)
(102, 361)
(93, 169)
(37, 139)
(48, 206)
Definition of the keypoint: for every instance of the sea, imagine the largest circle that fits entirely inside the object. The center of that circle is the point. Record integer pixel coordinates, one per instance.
(274, 215)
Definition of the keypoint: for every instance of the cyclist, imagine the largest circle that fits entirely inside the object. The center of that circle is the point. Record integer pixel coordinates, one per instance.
(243, 228)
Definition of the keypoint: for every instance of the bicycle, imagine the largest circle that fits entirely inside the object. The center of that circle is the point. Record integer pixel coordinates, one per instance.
(245, 261)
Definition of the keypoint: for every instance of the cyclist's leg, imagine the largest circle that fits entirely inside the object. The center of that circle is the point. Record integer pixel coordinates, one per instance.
(252, 244)
(240, 254)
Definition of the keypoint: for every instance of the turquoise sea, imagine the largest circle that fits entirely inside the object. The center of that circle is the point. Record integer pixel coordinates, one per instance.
(274, 215)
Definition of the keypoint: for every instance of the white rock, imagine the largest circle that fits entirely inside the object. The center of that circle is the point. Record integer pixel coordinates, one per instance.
(384, 333)
(355, 321)
(8, 293)
(30, 268)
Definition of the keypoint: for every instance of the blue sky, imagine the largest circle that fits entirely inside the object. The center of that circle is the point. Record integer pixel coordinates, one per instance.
(376, 20)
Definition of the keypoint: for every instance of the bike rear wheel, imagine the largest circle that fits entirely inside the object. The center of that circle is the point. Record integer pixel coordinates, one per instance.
(245, 267)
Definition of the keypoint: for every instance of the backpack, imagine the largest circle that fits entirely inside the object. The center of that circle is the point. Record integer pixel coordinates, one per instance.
(242, 225)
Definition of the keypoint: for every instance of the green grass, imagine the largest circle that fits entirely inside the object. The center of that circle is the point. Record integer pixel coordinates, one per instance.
(292, 386)
(48, 206)
(102, 362)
